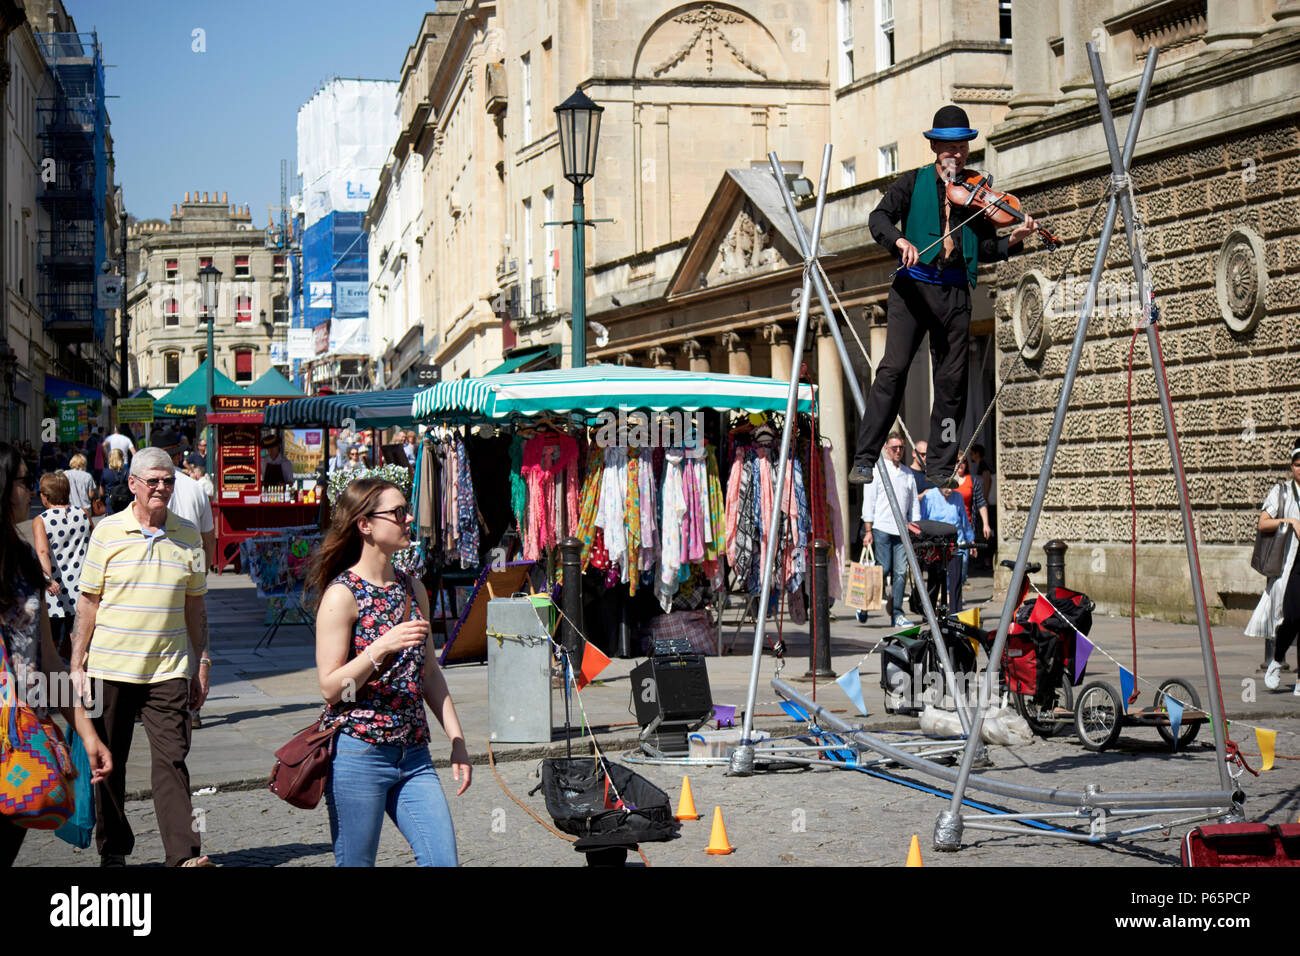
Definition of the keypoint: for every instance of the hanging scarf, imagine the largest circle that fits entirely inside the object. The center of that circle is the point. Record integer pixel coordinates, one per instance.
(632, 519)
(674, 512)
(742, 548)
(550, 469)
(590, 502)
(649, 496)
(831, 503)
(610, 515)
(466, 509)
(518, 484)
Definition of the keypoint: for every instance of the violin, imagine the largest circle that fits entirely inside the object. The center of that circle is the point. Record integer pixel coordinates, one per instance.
(974, 190)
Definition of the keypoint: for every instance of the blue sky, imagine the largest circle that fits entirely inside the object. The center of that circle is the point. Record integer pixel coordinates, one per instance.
(223, 119)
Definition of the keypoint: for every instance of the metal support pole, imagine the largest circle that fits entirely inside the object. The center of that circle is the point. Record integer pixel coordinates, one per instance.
(571, 597)
(212, 375)
(579, 325)
(1119, 163)
(742, 758)
(819, 647)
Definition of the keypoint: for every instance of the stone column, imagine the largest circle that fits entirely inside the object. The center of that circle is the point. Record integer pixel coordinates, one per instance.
(661, 358)
(1287, 14)
(831, 425)
(1079, 20)
(697, 356)
(1233, 24)
(782, 354)
(1031, 66)
(737, 349)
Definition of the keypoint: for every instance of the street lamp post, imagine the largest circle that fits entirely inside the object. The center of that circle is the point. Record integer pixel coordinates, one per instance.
(209, 285)
(579, 123)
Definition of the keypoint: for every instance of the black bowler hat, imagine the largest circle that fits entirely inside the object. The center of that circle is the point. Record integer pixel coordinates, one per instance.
(951, 125)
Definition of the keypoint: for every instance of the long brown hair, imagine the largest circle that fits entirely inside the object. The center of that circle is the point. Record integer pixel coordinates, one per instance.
(342, 547)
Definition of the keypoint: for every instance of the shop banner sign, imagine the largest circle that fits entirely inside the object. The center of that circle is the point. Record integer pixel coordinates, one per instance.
(134, 411)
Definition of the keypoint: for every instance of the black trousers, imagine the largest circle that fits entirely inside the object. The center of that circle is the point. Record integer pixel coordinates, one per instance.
(915, 309)
(11, 841)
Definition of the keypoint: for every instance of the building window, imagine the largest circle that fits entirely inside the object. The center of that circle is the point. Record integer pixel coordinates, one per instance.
(889, 159)
(201, 356)
(244, 310)
(885, 34)
(548, 84)
(241, 267)
(528, 254)
(171, 269)
(848, 173)
(846, 42)
(551, 265)
(278, 267)
(243, 365)
(171, 368)
(205, 261)
(526, 91)
(280, 310)
(171, 314)
(1004, 20)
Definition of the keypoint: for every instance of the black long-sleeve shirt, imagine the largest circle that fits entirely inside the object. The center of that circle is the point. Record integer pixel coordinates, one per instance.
(896, 202)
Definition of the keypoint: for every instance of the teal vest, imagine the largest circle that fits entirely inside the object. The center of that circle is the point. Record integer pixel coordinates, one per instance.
(922, 225)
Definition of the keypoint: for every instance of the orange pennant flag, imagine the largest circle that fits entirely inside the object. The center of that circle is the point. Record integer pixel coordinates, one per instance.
(593, 662)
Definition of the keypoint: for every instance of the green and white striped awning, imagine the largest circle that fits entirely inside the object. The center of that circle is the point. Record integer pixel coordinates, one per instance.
(599, 388)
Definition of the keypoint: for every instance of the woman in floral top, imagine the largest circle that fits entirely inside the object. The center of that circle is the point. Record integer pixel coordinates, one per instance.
(375, 660)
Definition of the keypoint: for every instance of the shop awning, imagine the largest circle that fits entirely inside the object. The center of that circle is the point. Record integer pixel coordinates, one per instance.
(523, 357)
(381, 409)
(191, 396)
(600, 387)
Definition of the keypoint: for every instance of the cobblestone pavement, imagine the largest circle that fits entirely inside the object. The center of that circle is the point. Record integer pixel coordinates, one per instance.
(798, 817)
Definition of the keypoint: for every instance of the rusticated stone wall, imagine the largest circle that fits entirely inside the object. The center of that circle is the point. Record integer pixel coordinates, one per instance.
(1230, 335)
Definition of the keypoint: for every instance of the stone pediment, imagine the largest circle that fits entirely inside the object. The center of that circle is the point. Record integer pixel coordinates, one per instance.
(743, 233)
(709, 41)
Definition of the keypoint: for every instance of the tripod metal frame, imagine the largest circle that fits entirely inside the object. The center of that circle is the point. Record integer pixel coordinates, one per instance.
(1224, 803)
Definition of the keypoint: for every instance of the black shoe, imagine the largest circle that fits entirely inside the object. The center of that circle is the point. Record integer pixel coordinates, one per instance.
(861, 474)
(945, 482)
(112, 859)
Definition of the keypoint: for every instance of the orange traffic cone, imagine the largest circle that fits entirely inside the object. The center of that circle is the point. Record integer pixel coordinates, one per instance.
(718, 842)
(914, 853)
(686, 803)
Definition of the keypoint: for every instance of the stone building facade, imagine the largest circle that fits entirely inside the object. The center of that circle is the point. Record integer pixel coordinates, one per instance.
(168, 333)
(1215, 172)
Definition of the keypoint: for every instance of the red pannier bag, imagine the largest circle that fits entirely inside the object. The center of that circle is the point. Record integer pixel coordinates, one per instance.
(1243, 844)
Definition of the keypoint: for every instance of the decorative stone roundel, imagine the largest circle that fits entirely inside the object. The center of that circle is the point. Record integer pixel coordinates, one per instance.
(1241, 279)
(1026, 309)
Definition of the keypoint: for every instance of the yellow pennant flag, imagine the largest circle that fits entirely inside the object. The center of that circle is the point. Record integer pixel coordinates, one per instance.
(1266, 739)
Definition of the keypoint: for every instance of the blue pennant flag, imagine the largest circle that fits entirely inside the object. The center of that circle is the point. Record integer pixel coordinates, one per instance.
(1175, 716)
(1125, 686)
(851, 683)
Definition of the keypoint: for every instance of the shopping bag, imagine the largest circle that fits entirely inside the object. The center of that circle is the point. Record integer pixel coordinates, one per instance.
(865, 584)
(81, 825)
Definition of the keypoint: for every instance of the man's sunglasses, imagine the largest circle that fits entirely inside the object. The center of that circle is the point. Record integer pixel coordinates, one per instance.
(400, 513)
(153, 483)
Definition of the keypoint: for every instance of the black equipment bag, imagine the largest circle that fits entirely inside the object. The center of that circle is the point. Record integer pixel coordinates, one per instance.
(901, 655)
(584, 804)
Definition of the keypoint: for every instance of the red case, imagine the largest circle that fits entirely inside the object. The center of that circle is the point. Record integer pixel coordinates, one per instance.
(1243, 844)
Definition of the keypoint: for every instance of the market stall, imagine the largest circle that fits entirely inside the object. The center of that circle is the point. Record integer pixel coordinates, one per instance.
(655, 472)
(255, 494)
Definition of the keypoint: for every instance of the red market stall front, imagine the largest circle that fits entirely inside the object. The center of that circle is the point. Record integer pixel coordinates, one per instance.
(243, 506)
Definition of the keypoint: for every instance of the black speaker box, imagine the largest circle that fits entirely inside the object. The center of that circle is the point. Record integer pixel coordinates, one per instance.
(673, 689)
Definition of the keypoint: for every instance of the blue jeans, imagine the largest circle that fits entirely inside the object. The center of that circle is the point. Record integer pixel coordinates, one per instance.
(893, 561)
(367, 780)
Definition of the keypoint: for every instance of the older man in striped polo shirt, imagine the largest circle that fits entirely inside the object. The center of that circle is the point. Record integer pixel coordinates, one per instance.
(142, 628)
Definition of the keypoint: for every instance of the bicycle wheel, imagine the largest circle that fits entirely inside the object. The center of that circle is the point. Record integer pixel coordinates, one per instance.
(1098, 716)
(1043, 720)
(1183, 692)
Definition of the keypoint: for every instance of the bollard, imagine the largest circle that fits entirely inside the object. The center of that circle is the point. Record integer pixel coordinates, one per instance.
(819, 632)
(1055, 551)
(571, 598)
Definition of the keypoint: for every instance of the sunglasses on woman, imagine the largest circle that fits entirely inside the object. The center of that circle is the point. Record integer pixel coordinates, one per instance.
(400, 513)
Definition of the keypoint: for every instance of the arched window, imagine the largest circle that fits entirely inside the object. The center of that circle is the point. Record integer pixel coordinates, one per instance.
(243, 365)
(171, 368)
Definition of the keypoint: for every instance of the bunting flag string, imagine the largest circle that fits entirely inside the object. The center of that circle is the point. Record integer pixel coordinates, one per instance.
(1175, 709)
(851, 683)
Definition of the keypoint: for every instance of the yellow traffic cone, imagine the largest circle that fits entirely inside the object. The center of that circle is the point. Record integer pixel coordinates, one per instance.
(914, 853)
(718, 842)
(686, 803)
